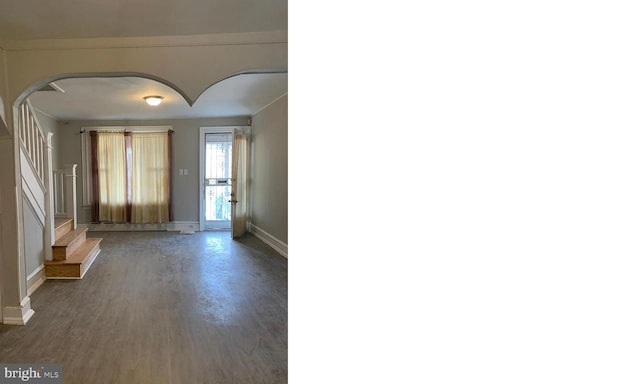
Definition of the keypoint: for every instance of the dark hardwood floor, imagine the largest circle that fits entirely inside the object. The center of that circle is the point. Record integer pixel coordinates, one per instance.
(161, 307)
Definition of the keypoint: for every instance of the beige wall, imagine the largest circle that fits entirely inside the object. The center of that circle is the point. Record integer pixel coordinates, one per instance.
(185, 156)
(3, 94)
(189, 64)
(13, 268)
(270, 170)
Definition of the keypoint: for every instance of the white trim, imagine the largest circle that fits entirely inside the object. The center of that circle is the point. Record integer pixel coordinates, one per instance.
(35, 272)
(18, 315)
(183, 226)
(271, 241)
(44, 113)
(267, 37)
(32, 203)
(271, 103)
(125, 227)
(36, 279)
(49, 204)
(35, 116)
(56, 87)
(32, 184)
(203, 132)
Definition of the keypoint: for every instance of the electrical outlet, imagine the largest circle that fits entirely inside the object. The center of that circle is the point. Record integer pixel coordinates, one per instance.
(180, 172)
(186, 171)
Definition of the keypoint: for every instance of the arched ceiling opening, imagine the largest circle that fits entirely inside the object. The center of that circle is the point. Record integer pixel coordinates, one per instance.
(121, 98)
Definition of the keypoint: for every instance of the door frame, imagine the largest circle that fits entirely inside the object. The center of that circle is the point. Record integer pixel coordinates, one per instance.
(203, 132)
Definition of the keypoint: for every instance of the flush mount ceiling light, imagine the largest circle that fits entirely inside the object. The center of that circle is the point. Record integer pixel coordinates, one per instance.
(153, 100)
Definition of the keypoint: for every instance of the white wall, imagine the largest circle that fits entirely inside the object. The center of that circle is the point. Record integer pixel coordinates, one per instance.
(269, 210)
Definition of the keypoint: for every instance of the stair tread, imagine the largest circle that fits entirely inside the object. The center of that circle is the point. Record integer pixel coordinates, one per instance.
(80, 254)
(69, 237)
(61, 221)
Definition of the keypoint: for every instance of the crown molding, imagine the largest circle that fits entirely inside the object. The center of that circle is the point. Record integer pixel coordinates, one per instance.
(275, 37)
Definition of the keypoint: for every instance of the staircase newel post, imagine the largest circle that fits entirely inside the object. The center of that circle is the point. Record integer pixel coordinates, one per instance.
(70, 193)
(49, 225)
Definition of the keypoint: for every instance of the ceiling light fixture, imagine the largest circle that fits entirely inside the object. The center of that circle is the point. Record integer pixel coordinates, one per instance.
(153, 100)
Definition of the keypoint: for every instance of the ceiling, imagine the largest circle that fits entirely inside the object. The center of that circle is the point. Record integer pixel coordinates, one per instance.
(73, 19)
(121, 98)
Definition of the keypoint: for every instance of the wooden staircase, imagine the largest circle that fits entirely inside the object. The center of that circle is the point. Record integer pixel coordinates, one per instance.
(73, 252)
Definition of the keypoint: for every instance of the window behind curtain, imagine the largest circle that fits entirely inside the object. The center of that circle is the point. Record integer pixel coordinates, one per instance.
(131, 177)
(110, 178)
(150, 178)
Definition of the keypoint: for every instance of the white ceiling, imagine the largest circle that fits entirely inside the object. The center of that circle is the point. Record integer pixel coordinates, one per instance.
(121, 98)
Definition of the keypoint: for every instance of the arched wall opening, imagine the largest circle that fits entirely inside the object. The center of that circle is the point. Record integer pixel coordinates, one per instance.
(206, 87)
(43, 82)
(121, 93)
(66, 146)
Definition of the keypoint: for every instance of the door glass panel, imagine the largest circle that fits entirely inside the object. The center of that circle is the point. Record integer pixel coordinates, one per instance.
(217, 203)
(217, 182)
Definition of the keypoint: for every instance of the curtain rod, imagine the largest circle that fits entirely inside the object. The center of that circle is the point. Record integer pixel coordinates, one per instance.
(106, 130)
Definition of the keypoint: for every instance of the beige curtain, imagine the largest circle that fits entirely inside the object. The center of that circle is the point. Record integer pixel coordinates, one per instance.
(111, 177)
(150, 177)
(240, 176)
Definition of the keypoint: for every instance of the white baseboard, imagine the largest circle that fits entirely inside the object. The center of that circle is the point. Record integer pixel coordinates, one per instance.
(271, 241)
(184, 226)
(18, 315)
(177, 226)
(35, 279)
(124, 227)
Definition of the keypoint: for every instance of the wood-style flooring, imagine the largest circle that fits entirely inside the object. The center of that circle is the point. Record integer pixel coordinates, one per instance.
(162, 307)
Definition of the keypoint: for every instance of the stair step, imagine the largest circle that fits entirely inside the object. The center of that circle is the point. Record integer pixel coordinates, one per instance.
(62, 226)
(67, 244)
(77, 264)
